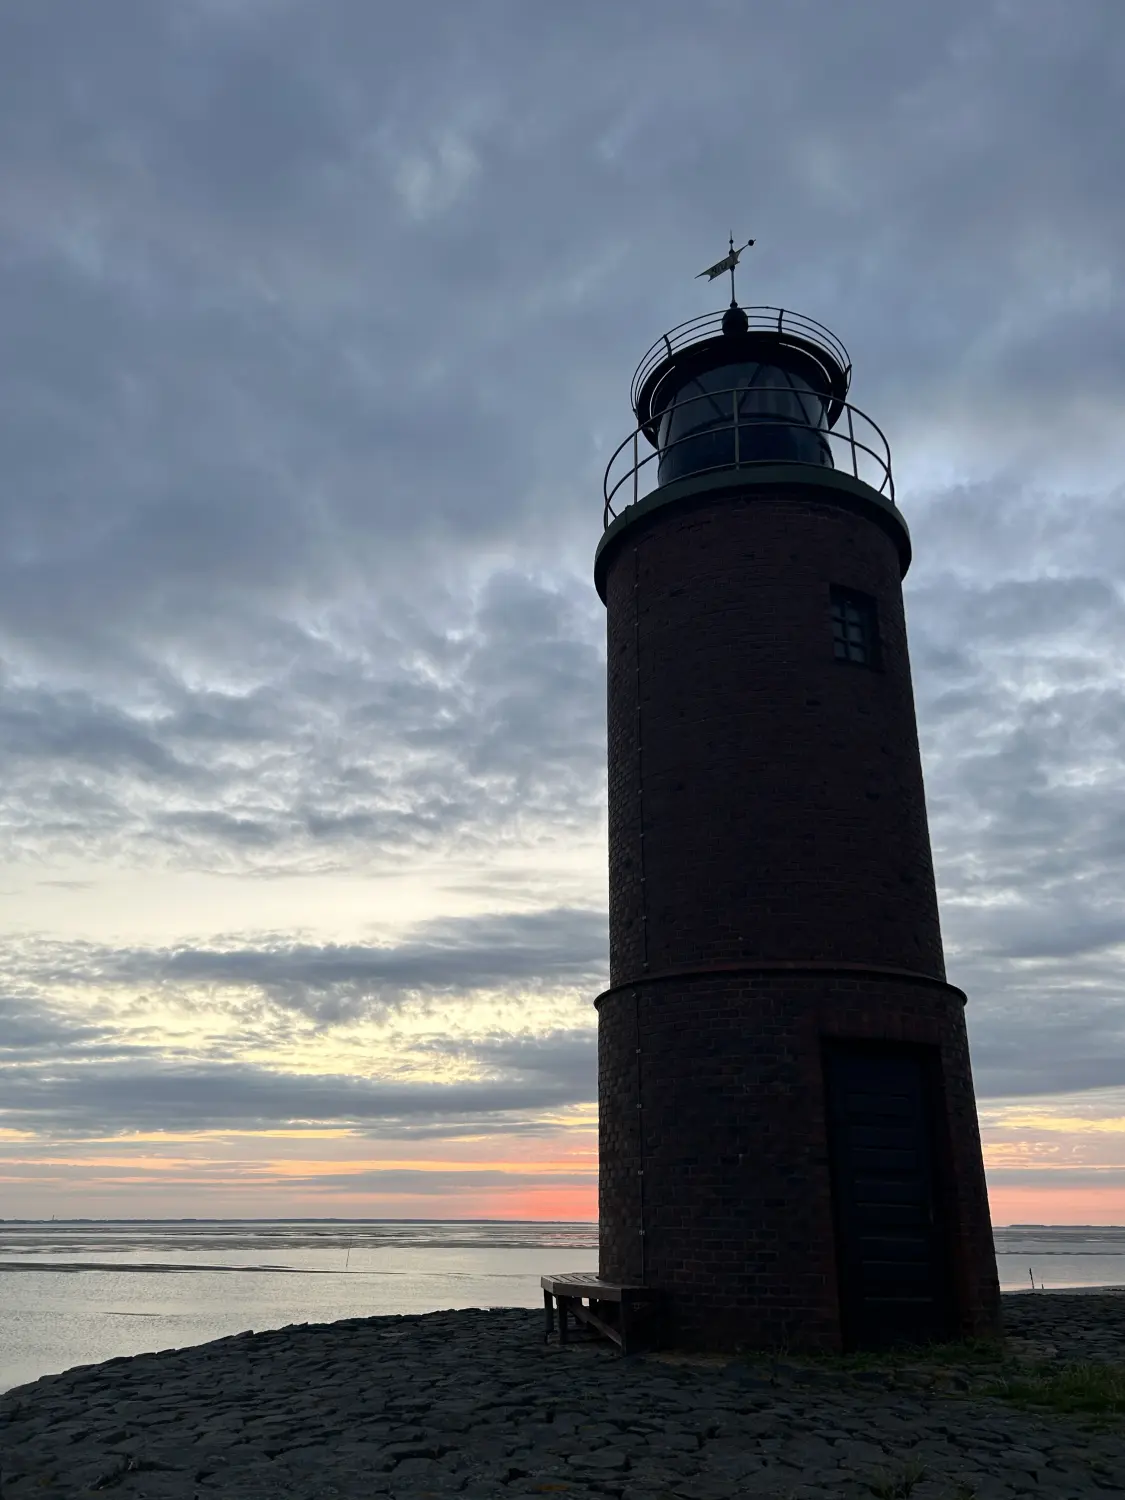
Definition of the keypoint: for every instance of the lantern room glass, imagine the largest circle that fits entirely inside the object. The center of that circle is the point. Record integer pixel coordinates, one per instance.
(777, 416)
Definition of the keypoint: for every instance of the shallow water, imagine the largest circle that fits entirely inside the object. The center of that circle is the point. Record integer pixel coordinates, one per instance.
(1059, 1256)
(78, 1293)
(75, 1294)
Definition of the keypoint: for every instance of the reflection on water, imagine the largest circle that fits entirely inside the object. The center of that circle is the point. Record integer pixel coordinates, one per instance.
(81, 1292)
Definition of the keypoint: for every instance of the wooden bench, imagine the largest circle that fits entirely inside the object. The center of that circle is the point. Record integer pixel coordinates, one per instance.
(610, 1307)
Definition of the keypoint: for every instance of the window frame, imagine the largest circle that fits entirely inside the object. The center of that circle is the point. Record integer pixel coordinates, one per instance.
(866, 606)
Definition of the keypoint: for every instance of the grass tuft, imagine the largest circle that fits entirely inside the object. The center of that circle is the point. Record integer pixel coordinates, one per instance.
(900, 1486)
(964, 1352)
(1076, 1387)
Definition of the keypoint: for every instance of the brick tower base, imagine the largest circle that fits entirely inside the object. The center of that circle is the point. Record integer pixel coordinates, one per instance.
(715, 1142)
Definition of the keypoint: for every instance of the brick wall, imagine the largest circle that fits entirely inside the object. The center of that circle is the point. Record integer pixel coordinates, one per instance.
(766, 807)
(783, 808)
(733, 1143)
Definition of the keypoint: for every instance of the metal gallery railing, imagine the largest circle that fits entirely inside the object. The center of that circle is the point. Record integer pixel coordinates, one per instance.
(861, 447)
(773, 320)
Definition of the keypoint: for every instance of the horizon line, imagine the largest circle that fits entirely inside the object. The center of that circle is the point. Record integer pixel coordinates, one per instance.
(355, 1219)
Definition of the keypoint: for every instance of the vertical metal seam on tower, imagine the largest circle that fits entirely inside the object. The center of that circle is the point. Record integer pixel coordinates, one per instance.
(640, 1136)
(644, 910)
(640, 759)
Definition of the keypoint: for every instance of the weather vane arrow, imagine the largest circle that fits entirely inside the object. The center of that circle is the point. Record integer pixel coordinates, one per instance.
(728, 263)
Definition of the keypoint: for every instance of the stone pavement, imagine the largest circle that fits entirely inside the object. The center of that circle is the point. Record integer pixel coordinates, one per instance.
(474, 1404)
(1068, 1325)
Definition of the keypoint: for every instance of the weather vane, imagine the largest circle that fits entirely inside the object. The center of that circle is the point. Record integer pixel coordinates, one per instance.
(728, 263)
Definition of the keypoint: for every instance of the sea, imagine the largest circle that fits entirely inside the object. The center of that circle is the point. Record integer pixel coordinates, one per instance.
(82, 1291)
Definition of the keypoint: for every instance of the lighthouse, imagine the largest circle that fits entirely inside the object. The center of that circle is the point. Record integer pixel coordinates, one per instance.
(789, 1147)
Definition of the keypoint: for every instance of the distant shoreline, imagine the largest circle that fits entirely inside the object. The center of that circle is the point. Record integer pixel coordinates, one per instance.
(1050, 1291)
(589, 1223)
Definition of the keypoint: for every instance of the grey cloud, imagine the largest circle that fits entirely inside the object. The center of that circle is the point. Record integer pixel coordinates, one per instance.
(321, 448)
(1045, 1177)
(560, 946)
(240, 835)
(60, 1075)
(27, 1026)
(568, 1057)
(431, 1183)
(402, 739)
(552, 952)
(1027, 613)
(40, 726)
(116, 1098)
(1019, 1071)
(437, 405)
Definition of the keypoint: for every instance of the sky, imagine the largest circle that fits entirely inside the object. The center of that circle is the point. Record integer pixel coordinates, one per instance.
(318, 324)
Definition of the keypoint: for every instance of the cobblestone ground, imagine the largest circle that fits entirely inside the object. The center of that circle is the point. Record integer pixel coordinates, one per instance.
(473, 1403)
(1071, 1325)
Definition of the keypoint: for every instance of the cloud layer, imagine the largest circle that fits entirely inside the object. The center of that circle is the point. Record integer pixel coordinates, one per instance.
(318, 329)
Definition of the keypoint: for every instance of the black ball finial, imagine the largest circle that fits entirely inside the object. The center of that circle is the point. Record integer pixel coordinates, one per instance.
(735, 320)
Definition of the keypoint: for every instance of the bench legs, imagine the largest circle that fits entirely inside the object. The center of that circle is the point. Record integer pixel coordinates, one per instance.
(552, 1302)
(595, 1316)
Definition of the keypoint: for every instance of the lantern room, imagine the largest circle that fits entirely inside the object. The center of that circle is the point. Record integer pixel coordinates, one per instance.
(756, 385)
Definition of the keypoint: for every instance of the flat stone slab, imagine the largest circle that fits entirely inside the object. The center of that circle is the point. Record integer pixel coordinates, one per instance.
(473, 1403)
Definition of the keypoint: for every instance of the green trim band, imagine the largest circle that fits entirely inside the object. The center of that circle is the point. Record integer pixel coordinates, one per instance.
(786, 966)
(828, 485)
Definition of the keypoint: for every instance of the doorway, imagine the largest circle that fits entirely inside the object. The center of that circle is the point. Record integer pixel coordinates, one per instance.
(891, 1251)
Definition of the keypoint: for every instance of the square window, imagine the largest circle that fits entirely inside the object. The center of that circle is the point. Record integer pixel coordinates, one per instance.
(855, 632)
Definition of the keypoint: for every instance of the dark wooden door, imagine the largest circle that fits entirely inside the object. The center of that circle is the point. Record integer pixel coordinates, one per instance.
(891, 1258)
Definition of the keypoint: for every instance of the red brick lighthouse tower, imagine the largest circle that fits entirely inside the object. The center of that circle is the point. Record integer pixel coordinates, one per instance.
(789, 1141)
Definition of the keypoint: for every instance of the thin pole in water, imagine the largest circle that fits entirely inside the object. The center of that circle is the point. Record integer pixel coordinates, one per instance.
(1032, 1278)
(349, 1254)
